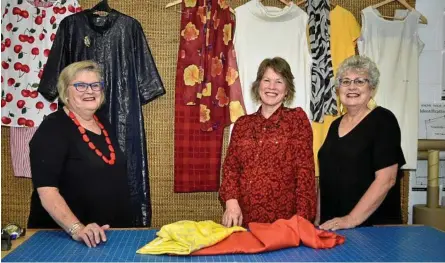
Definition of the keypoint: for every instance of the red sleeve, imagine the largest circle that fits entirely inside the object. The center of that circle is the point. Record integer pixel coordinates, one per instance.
(231, 168)
(305, 192)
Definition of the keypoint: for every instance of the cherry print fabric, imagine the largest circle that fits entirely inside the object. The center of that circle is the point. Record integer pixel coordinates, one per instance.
(269, 167)
(28, 31)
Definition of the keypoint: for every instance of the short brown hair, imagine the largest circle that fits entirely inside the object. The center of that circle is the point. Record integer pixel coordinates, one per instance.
(69, 73)
(280, 66)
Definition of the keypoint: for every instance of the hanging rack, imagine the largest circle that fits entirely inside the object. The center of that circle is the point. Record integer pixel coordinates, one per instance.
(102, 8)
(423, 19)
(287, 3)
(331, 3)
(177, 2)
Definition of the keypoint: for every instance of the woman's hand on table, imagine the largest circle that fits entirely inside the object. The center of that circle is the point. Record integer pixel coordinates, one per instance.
(233, 215)
(91, 234)
(337, 223)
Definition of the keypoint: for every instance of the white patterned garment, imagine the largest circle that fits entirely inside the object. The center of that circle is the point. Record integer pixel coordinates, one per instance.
(323, 97)
(395, 47)
(266, 32)
(28, 31)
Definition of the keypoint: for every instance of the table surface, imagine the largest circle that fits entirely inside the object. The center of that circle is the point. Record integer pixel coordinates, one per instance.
(389, 243)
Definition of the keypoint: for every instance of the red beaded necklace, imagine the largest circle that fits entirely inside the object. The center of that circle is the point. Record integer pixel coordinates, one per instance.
(93, 147)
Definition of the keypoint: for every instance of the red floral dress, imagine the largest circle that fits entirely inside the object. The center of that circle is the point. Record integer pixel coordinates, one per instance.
(269, 167)
(28, 31)
(207, 73)
(208, 93)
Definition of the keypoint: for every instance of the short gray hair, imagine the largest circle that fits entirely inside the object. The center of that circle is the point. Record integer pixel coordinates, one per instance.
(358, 64)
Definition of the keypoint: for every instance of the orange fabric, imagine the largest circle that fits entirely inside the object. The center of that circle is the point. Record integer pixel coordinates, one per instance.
(268, 237)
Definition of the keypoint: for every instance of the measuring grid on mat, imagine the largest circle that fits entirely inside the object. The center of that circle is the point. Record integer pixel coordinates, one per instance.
(403, 243)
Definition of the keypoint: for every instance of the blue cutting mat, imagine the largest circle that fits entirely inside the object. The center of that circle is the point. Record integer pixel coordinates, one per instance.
(362, 244)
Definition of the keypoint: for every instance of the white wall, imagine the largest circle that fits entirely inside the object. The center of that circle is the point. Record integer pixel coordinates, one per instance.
(431, 87)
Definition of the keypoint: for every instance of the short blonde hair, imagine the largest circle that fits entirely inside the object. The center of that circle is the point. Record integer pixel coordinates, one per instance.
(69, 73)
(280, 66)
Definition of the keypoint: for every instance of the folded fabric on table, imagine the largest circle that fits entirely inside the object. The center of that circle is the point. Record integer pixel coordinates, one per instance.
(184, 237)
(277, 235)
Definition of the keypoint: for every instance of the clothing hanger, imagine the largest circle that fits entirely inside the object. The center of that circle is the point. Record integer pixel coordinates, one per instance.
(423, 19)
(331, 3)
(176, 2)
(102, 8)
(287, 3)
(301, 2)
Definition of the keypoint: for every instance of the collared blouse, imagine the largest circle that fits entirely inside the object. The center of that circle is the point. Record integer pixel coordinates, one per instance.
(269, 167)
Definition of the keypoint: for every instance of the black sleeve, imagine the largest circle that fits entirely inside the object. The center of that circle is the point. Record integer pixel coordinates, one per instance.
(55, 64)
(48, 152)
(149, 81)
(387, 148)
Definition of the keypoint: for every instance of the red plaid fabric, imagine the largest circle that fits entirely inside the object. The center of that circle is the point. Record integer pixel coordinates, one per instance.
(197, 152)
(208, 93)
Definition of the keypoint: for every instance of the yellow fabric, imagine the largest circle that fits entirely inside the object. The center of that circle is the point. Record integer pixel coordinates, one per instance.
(185, 237)
(320, 131)
(344, 32)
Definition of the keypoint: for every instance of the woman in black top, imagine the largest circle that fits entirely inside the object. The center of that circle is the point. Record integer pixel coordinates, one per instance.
(78, 170)
(361, 157)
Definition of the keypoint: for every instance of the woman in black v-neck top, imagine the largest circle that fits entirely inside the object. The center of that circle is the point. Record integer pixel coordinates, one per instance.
(78, 170)
(361, 157)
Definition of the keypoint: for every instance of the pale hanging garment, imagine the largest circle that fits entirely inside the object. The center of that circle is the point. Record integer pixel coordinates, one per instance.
(267, 32)
(395, 47)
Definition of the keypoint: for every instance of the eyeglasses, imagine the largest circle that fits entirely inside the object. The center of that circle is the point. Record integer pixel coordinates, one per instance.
(359, 82)
(82, 86)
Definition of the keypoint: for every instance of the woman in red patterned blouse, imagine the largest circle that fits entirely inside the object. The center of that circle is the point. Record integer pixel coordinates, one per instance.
(269, 168)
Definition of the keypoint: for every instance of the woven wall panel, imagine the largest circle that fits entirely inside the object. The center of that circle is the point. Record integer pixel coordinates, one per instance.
(16, 192)
(161, 27)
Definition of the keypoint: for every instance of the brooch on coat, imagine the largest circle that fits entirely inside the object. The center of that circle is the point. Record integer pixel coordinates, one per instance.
(87, 41)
